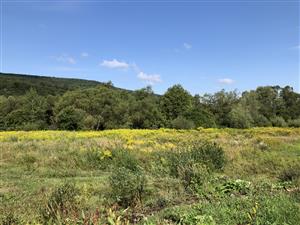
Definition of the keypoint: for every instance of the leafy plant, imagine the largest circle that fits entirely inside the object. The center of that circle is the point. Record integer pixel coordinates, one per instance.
(193, 176)
(235, 187)
(290, 174)
(10, 219)
(128, 188)
(61, 203)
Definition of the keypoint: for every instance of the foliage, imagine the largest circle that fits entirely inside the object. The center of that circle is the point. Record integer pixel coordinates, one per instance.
(175, 102)
(164, 176)
(291, 173)
(70, 118)
(278, 121)
(235, 187)
(39, 103)
(193, 176)
(128, 187)
(294, 123)
(240, 118)
(182, 123)
(61, 203)
(10, 219)
(193, 162)
(16, 84)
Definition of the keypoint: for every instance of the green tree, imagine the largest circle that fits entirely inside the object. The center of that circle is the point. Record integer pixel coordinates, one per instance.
(240, 117)
(175, 102)
(70, 118)
(200, 114)
(220, 104)
(144, 110)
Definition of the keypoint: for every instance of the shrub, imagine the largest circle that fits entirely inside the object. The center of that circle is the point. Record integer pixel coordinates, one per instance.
(278, 121)
(61, 203)
(70, 118)
(128, 187)
(239, 117)
(235, 187)
(208, 154)
(89, 122)
(290, 174)
(193, 176)
(261, 121)
(182, 123)
(125, 159)
(96, 158)
(294, 123)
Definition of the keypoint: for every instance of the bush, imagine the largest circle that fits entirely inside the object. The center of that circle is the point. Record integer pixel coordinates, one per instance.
(240, 118)
(261, 121)
(201, 117)
(235, 187)
(61, 203)
(294, 123)
(209, 154)
(70, 118)
(278, 121)
(193, 176)
(182, 123)
(128, 188)
(290, 174)
(125, 159)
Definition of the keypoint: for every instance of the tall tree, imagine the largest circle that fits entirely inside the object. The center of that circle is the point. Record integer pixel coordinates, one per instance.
(175, 102)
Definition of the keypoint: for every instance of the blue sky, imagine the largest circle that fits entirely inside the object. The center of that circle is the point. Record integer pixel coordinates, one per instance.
(203, 45)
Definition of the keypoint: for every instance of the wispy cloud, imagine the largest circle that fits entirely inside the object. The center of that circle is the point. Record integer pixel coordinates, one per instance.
(296, 47)
(84, 54)
(145, 77)
(226, 81)
(187, 46)
(65, 58)
(149, 78)
(114, 64)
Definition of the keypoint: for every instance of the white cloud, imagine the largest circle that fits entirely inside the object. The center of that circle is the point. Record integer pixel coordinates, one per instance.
(187, 46)
(84, 54)
(226, 81)
(65, 58)
(149, 78)
(115, 64)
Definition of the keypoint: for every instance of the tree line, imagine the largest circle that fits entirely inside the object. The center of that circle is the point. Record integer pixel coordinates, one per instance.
(106, 107)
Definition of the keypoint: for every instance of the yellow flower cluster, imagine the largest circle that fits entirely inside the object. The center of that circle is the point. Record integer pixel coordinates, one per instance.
(146, 140)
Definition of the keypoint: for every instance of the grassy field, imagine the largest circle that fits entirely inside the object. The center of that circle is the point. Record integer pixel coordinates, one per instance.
(204, 176)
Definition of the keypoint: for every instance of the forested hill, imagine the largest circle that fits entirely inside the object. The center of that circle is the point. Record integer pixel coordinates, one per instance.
(35, 103)
(18, 84)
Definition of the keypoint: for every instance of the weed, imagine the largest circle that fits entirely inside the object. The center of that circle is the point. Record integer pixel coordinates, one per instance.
(61, 203)
(290, 174)
(128, 187)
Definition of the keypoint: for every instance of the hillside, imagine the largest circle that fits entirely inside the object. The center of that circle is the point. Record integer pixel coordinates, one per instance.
(40, 103)
(19, 84)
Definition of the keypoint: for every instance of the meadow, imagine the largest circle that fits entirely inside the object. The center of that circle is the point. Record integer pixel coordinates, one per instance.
(203, 176)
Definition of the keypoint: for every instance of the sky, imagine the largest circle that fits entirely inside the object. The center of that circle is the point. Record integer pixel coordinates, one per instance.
(203, 45)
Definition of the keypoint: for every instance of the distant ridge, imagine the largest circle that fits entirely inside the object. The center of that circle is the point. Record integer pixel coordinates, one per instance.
(19, 84)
